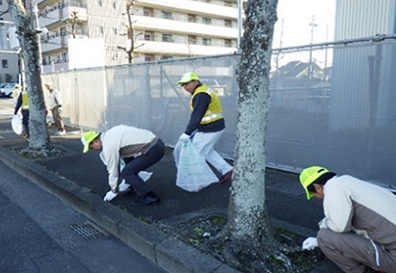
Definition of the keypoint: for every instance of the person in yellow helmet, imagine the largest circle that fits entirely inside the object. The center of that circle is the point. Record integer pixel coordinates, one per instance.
(358, 232)
(138, 148)
(206, 125)
(23, 102)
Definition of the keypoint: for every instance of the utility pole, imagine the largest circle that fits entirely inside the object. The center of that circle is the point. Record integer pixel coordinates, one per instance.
(279, 52)
(13, 44)
(327, 39)
(312, 25)
(239, 25)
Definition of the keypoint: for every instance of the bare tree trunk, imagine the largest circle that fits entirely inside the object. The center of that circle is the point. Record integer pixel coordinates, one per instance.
(39, 140)
(248, 234)
(131, 32)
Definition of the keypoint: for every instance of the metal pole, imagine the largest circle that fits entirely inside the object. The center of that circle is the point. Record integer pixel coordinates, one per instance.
(22, 71)
(313, 25)
(36, 17)
(239, 23)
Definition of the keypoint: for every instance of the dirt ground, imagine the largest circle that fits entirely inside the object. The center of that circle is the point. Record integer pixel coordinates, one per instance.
(200, 231)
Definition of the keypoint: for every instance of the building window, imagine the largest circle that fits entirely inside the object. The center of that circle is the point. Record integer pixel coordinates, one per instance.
(227, 4)
(192, 39)
(64, 57)
(167, 15)
(192, 18)
(4, 63)
(114, 5)
(207, 41)
(99, 3)
(63, 31)
(149, 58)
(148, 12)
(101, 30)
(166, 57)
(148, 36)
(115, 31)
(206, 21)
(167, 38)
(227, 23)
(227, 43)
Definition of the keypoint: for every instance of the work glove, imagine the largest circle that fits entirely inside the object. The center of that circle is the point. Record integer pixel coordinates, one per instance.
(60, 110)
(123, 186)
(184, 137)
(310, 243)
(109, 196)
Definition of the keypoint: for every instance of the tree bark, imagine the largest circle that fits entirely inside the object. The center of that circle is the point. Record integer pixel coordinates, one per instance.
(249, 230)
(131, 32)
(39, 140)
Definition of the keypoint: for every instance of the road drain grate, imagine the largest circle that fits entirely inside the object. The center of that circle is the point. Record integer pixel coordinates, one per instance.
(88, 231)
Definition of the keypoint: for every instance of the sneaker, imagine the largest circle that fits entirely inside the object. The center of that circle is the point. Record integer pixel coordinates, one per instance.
(225, 177)
(146, 201)
(61, 133)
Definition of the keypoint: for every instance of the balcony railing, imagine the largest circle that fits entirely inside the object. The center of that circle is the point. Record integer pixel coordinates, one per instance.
(57, 42)
(55, 15)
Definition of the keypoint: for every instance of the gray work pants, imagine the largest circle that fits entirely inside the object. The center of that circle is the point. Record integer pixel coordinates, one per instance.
(353, 253)
(56, 114)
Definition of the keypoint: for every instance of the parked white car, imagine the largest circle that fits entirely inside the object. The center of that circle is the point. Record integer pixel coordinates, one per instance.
(6, 89)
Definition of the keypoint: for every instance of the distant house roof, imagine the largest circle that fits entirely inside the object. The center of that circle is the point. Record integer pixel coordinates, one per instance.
(298, 69)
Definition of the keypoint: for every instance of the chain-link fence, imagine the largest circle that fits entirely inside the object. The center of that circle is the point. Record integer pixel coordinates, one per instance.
(330, 104)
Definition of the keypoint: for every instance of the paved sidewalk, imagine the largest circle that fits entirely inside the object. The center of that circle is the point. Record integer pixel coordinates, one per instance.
(81, 181)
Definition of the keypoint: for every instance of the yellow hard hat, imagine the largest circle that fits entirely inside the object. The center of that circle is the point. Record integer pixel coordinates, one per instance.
(309, 175)
(87, 138)
(188, 77)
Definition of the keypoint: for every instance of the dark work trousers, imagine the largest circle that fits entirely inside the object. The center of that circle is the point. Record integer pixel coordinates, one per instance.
(134, 165)
(25, 121)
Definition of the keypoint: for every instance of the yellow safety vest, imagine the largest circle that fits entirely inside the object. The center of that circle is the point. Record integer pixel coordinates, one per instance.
(25, 101)
(214, 111)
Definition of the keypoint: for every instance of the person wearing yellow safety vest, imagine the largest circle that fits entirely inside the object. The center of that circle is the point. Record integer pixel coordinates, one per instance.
(206, 124)
(23, 102)
(358, 232)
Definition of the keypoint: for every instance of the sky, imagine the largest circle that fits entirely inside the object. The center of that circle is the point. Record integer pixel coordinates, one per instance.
(293, 29)
(296, 16)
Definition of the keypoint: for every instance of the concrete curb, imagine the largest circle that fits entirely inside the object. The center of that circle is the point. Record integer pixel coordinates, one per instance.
(164, 249)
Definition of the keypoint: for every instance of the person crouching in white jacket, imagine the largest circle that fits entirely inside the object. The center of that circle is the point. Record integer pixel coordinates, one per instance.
(358, 232)
(139, 149)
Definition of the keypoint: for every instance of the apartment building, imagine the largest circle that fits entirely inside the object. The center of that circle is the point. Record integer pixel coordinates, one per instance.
(162, 29)
(9, 68)
(166, 29)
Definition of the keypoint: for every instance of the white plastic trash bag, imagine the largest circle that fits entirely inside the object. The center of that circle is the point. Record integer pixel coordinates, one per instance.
(193, 173)
(124, 186)
(16, 124)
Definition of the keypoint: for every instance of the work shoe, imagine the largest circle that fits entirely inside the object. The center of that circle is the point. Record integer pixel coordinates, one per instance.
(225, 177)
(146, 201)
(61, 133)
